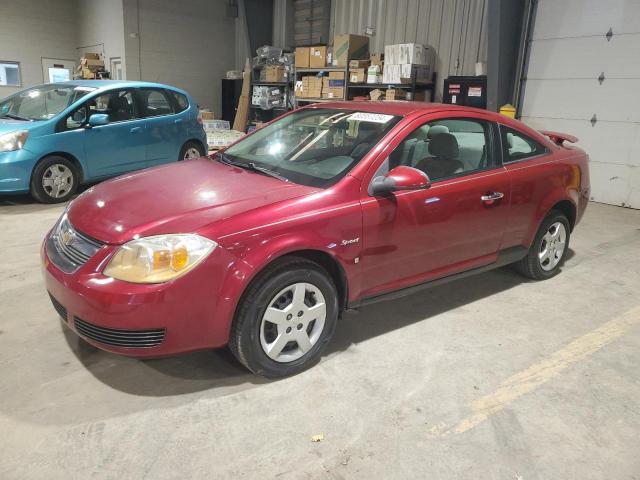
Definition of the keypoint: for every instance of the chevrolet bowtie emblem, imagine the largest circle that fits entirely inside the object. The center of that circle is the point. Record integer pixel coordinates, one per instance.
(67, 237)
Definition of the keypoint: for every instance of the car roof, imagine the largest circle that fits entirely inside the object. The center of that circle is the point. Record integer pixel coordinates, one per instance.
(104, 84)
(398, 107)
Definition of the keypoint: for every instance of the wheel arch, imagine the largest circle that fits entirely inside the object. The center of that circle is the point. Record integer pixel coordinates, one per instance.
(194, 140)
(569, 209)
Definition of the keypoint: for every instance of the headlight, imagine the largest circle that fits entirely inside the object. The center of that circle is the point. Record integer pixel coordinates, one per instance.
(13, 140)
(158, 259)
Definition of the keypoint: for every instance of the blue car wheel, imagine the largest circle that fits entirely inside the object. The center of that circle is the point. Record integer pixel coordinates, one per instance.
(54, 180)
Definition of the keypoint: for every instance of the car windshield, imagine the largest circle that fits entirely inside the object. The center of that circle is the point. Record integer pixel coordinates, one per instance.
(42, 102)
(314, 147)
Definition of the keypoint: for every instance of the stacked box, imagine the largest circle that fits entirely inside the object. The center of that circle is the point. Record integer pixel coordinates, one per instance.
(272, 73)
(335, 87)
(302, 57)
(347, 47)
(309, 87)
(395, 94)
(91, 66)
(318, 57)
(357, 75)
(267, 97)
(403, 61)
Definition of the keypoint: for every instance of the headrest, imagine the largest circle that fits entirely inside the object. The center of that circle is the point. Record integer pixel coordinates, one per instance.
(436, 129)
(510, 140)
(422, 133)
(444, 145)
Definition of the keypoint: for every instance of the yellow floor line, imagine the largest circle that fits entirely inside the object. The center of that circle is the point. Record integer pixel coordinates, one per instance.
(534, 376)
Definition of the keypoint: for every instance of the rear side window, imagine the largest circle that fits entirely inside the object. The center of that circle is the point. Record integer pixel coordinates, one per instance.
(155, 102)
(181, 101)
(518, 146)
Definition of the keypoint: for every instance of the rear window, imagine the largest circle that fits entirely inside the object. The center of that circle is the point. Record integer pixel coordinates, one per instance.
(182, 102)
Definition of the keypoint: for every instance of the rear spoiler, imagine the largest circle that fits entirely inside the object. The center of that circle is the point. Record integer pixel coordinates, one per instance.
(558, 138)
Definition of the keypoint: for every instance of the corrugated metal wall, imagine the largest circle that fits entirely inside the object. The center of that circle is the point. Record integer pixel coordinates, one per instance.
(456, 29)
(311, 22)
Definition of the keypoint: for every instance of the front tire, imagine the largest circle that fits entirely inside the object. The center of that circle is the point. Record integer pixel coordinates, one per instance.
(55, 179)
(548, 251)
(285, 318)
(191, 150)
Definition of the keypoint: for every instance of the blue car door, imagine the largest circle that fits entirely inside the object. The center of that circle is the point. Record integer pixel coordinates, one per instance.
(163, 127)
(118, 146)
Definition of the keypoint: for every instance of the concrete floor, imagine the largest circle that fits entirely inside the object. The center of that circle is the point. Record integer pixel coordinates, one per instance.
(487, 377)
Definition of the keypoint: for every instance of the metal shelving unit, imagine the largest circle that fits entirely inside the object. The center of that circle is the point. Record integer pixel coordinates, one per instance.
(257, 113)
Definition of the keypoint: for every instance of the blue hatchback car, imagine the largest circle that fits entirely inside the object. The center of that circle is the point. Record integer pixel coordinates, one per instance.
(57, 136)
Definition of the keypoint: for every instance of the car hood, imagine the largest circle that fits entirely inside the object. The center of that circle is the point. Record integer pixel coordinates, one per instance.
(178, 198)
(8, 125)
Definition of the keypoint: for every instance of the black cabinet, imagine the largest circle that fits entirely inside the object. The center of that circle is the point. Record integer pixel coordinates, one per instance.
(230, 95)
(467, 91)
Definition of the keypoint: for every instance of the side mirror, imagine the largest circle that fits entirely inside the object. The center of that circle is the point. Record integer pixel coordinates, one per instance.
(398, 179)
(98, 119)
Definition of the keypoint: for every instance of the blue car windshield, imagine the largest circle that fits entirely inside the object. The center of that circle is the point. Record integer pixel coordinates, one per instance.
(42, 102)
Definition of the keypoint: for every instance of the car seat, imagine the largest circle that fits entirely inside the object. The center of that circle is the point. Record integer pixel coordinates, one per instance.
(443, 162)
(119, 109)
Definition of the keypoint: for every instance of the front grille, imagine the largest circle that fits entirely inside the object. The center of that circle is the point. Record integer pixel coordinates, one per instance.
(59, 307)
(120, 338)
(68, 248)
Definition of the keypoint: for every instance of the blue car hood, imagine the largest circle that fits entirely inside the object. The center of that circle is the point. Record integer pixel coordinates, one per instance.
(8, 125)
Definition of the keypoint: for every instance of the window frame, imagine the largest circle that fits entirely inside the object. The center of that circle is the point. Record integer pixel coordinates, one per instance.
(62, 124)
(143, 101)
(176, 105)
(492, 137)
(13, 62)
(503, 130)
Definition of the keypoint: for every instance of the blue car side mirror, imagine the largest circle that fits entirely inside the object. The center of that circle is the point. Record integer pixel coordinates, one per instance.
(98, 119)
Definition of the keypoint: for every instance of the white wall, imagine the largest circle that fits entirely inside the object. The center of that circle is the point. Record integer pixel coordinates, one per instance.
(100, 28)
(189, 44)
(32, 29)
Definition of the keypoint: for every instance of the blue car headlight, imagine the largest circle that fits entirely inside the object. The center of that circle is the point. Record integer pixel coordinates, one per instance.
(13, 140)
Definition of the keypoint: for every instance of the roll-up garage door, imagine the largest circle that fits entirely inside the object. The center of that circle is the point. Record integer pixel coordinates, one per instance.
(583, 78)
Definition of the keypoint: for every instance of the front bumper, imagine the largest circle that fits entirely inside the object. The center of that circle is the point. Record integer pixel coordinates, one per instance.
(193, 312)
(15, 170)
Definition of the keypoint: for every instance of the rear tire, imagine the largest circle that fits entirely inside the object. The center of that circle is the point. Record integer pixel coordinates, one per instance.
(191, 150)
(285, 319)
(54, 180)
(549, 249)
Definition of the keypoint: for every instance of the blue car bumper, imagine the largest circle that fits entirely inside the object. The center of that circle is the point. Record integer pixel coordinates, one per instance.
(15, 170)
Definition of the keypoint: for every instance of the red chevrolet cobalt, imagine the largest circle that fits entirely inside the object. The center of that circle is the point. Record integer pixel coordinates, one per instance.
(262, 246)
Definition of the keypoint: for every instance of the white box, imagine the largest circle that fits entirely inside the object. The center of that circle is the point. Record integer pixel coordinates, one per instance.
(403, 73)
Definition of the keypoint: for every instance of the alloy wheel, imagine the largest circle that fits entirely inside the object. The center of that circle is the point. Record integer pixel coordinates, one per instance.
(293, 322)
(552, 246)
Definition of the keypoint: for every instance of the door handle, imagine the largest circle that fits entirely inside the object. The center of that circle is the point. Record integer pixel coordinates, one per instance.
(177, 121)
(490, 198)
(135, 129)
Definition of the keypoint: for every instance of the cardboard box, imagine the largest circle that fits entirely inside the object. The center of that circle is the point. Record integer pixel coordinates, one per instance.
(92, 56)
(318, 57)
(395, 94)
(336, 79)
(357, 75)
(273, 73)
(347, 47)
(359, 63)
(334, 92)
(404, 73)
(206, 115)
(375, 94)
(376, 58)
(302, 57)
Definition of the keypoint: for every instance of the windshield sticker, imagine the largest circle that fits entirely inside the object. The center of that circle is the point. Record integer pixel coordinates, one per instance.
(370, 117)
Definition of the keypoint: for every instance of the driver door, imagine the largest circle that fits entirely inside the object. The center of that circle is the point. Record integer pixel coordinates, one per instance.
(118, 146)
(415, 236)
